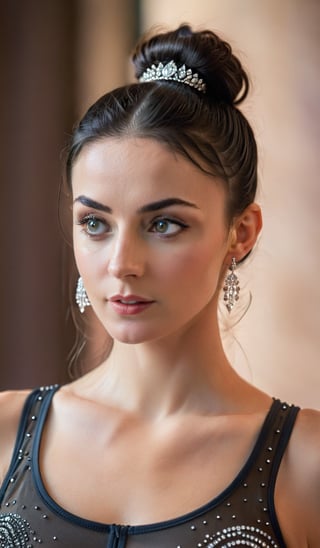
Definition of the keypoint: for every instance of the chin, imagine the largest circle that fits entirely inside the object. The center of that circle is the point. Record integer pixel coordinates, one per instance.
(134, 334)
(130, 335)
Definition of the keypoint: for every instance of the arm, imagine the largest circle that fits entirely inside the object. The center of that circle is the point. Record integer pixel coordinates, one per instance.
(298, 489)
(11, 405)
(308, 438)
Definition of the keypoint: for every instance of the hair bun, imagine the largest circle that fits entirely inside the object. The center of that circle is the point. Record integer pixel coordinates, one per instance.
(205, 53)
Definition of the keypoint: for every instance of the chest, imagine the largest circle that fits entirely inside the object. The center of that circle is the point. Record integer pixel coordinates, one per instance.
(52, 473)
(136, 473)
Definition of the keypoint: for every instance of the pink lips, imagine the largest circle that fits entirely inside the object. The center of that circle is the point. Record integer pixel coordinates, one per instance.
(129, 305)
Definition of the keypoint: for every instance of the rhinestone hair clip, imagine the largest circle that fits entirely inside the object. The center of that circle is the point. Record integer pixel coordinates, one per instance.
(170, 71)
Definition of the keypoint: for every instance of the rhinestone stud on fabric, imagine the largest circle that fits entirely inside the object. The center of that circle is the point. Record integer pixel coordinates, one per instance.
(14, 531)
(240, 535)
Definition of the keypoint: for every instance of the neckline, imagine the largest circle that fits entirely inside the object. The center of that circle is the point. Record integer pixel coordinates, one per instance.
(148, 527)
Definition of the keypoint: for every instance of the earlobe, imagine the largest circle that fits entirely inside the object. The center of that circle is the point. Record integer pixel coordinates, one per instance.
(246, 229)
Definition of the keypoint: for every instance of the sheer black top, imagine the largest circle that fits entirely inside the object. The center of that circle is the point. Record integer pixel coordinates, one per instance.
(242, 515)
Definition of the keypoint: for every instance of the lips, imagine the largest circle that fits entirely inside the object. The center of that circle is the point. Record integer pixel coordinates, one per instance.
(129, 305)
(129, 299)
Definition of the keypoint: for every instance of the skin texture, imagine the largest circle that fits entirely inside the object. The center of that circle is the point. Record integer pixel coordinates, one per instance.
(166, 403)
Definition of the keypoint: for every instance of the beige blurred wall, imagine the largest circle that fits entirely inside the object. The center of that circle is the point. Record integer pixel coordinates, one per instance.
(276, 345)
(106, 32)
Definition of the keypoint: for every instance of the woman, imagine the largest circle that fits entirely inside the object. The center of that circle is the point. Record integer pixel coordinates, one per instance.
(162, 445)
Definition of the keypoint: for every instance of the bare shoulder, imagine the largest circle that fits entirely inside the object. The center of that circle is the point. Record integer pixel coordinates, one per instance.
(305, 443)
(11, 405)
(301, 473)
(304, 452)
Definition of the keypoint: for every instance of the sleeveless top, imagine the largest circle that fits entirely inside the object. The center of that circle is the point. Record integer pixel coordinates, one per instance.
(242, 515)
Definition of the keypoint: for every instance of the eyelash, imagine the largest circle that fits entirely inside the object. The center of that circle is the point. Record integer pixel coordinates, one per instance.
(169, 220)
(84, 221)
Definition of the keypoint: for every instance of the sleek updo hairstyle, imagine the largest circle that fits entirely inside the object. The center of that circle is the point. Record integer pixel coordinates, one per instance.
(205, 127)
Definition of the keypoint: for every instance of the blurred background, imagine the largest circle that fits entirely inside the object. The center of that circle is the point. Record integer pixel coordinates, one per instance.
(56, 58)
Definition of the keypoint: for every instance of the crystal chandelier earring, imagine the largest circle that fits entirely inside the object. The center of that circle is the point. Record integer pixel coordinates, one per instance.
(82, 299)
(231, 288)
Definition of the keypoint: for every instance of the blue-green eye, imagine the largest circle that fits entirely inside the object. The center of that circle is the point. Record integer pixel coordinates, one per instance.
(93, 226)
(162, 226)
(167, 227)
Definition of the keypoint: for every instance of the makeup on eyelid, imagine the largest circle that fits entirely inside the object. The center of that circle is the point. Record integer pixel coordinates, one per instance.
(161, 225)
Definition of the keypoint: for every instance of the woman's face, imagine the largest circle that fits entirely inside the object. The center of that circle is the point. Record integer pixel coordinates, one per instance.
(150, 237)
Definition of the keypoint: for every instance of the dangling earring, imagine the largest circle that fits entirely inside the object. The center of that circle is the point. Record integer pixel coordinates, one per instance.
(231, 287)
(82, 299)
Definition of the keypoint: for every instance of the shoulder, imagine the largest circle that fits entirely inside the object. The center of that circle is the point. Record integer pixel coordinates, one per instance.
(305, 442)
(11, 406)
(301, 468)
(308, 422)
(305, 449)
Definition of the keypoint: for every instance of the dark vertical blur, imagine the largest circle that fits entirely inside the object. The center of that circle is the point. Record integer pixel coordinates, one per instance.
(40, 69)
(36, 113)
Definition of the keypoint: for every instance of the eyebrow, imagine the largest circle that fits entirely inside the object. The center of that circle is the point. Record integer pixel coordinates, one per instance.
(153, 206)
(84, 200)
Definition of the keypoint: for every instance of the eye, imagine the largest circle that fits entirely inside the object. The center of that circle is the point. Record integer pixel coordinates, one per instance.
(167, 227)
(93, 226)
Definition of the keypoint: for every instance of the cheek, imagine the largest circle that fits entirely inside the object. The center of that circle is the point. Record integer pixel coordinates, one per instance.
(194, 267)
(87, 259)
(77, 247)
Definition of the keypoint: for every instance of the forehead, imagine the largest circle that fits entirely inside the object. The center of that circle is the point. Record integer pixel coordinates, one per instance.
(134, 166)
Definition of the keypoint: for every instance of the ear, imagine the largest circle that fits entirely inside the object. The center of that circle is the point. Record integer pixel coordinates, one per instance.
(244, 232)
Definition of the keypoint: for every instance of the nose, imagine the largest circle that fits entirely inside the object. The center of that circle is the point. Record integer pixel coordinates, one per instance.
(126, 257)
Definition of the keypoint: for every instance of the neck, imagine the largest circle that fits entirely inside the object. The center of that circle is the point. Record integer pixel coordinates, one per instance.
(183, 373)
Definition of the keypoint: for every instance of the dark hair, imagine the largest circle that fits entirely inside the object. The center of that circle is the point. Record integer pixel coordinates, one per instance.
(207, 128)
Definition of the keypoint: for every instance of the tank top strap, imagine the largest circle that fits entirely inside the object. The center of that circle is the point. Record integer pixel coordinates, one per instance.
(263, 466)
(31, 421)
(282, 430)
